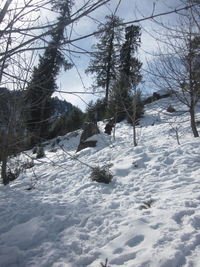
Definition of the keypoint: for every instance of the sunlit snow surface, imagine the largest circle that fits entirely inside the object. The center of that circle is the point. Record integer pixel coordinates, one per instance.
(69, 221)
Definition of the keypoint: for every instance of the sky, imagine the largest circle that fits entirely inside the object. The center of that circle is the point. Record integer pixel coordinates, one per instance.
(128, 10)
(75, 80)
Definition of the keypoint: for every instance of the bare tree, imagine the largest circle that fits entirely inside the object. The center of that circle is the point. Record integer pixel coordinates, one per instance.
(24, 27)
(176, 67)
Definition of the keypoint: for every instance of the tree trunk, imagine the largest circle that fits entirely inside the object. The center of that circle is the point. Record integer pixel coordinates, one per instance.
(177, 136)
(134, 134)
(193, 123)
(134, 119)
(108, 70)
(3, 170)
(4, 10)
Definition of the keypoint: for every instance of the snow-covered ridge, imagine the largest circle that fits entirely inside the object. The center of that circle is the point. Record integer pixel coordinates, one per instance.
(148, 216)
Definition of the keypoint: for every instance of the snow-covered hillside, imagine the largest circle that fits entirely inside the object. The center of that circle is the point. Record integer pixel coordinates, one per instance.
(148, 216)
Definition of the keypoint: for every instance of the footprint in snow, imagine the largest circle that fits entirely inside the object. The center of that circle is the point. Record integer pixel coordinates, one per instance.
(188, 247)
(185, 179)
(114, 205)
(156, 226)
(191, 204)
(138, 150)
(168, 161)
(179, 216)
(195, 222)
(123, 258)
(135, 241)
(118, 251)
(185, 237)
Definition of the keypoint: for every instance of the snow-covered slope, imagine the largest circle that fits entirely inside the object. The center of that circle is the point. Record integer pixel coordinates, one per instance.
(148, 216)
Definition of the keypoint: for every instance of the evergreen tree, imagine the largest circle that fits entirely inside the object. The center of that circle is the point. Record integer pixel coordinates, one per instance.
(129, 64)
(104, 63)
(125, 98)
(43, 81)
(120, 100)
(74, 120)
(67, 122)
(96, 111)
(125, 87)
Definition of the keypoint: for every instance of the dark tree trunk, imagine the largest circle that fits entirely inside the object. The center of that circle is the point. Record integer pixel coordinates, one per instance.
(134, 120)
(193, 123)
(108, 71)
(3, 170)
(134, 134)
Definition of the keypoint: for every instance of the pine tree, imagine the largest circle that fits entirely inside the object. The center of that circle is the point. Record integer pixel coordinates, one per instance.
(104, 63)
(96, 110)
(43, 81)
(125, 98)
(129, 64)
(125, 87)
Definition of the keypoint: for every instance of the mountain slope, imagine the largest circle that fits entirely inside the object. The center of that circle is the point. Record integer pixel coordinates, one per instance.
(148, 216)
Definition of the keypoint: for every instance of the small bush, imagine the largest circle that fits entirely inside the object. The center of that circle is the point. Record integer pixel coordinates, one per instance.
(101, 175)
(13, 174)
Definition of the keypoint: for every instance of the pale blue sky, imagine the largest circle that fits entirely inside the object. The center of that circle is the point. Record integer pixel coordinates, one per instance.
(128, 10)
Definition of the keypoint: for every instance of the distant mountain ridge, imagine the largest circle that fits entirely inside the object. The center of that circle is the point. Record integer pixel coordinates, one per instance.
(13, 109)
(60, 107)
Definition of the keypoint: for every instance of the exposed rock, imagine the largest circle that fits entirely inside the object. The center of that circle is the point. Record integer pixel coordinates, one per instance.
(89, 129)
(109, 126)
(171, 109)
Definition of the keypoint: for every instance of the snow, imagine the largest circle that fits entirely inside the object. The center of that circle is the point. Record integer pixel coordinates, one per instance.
(149, 215)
